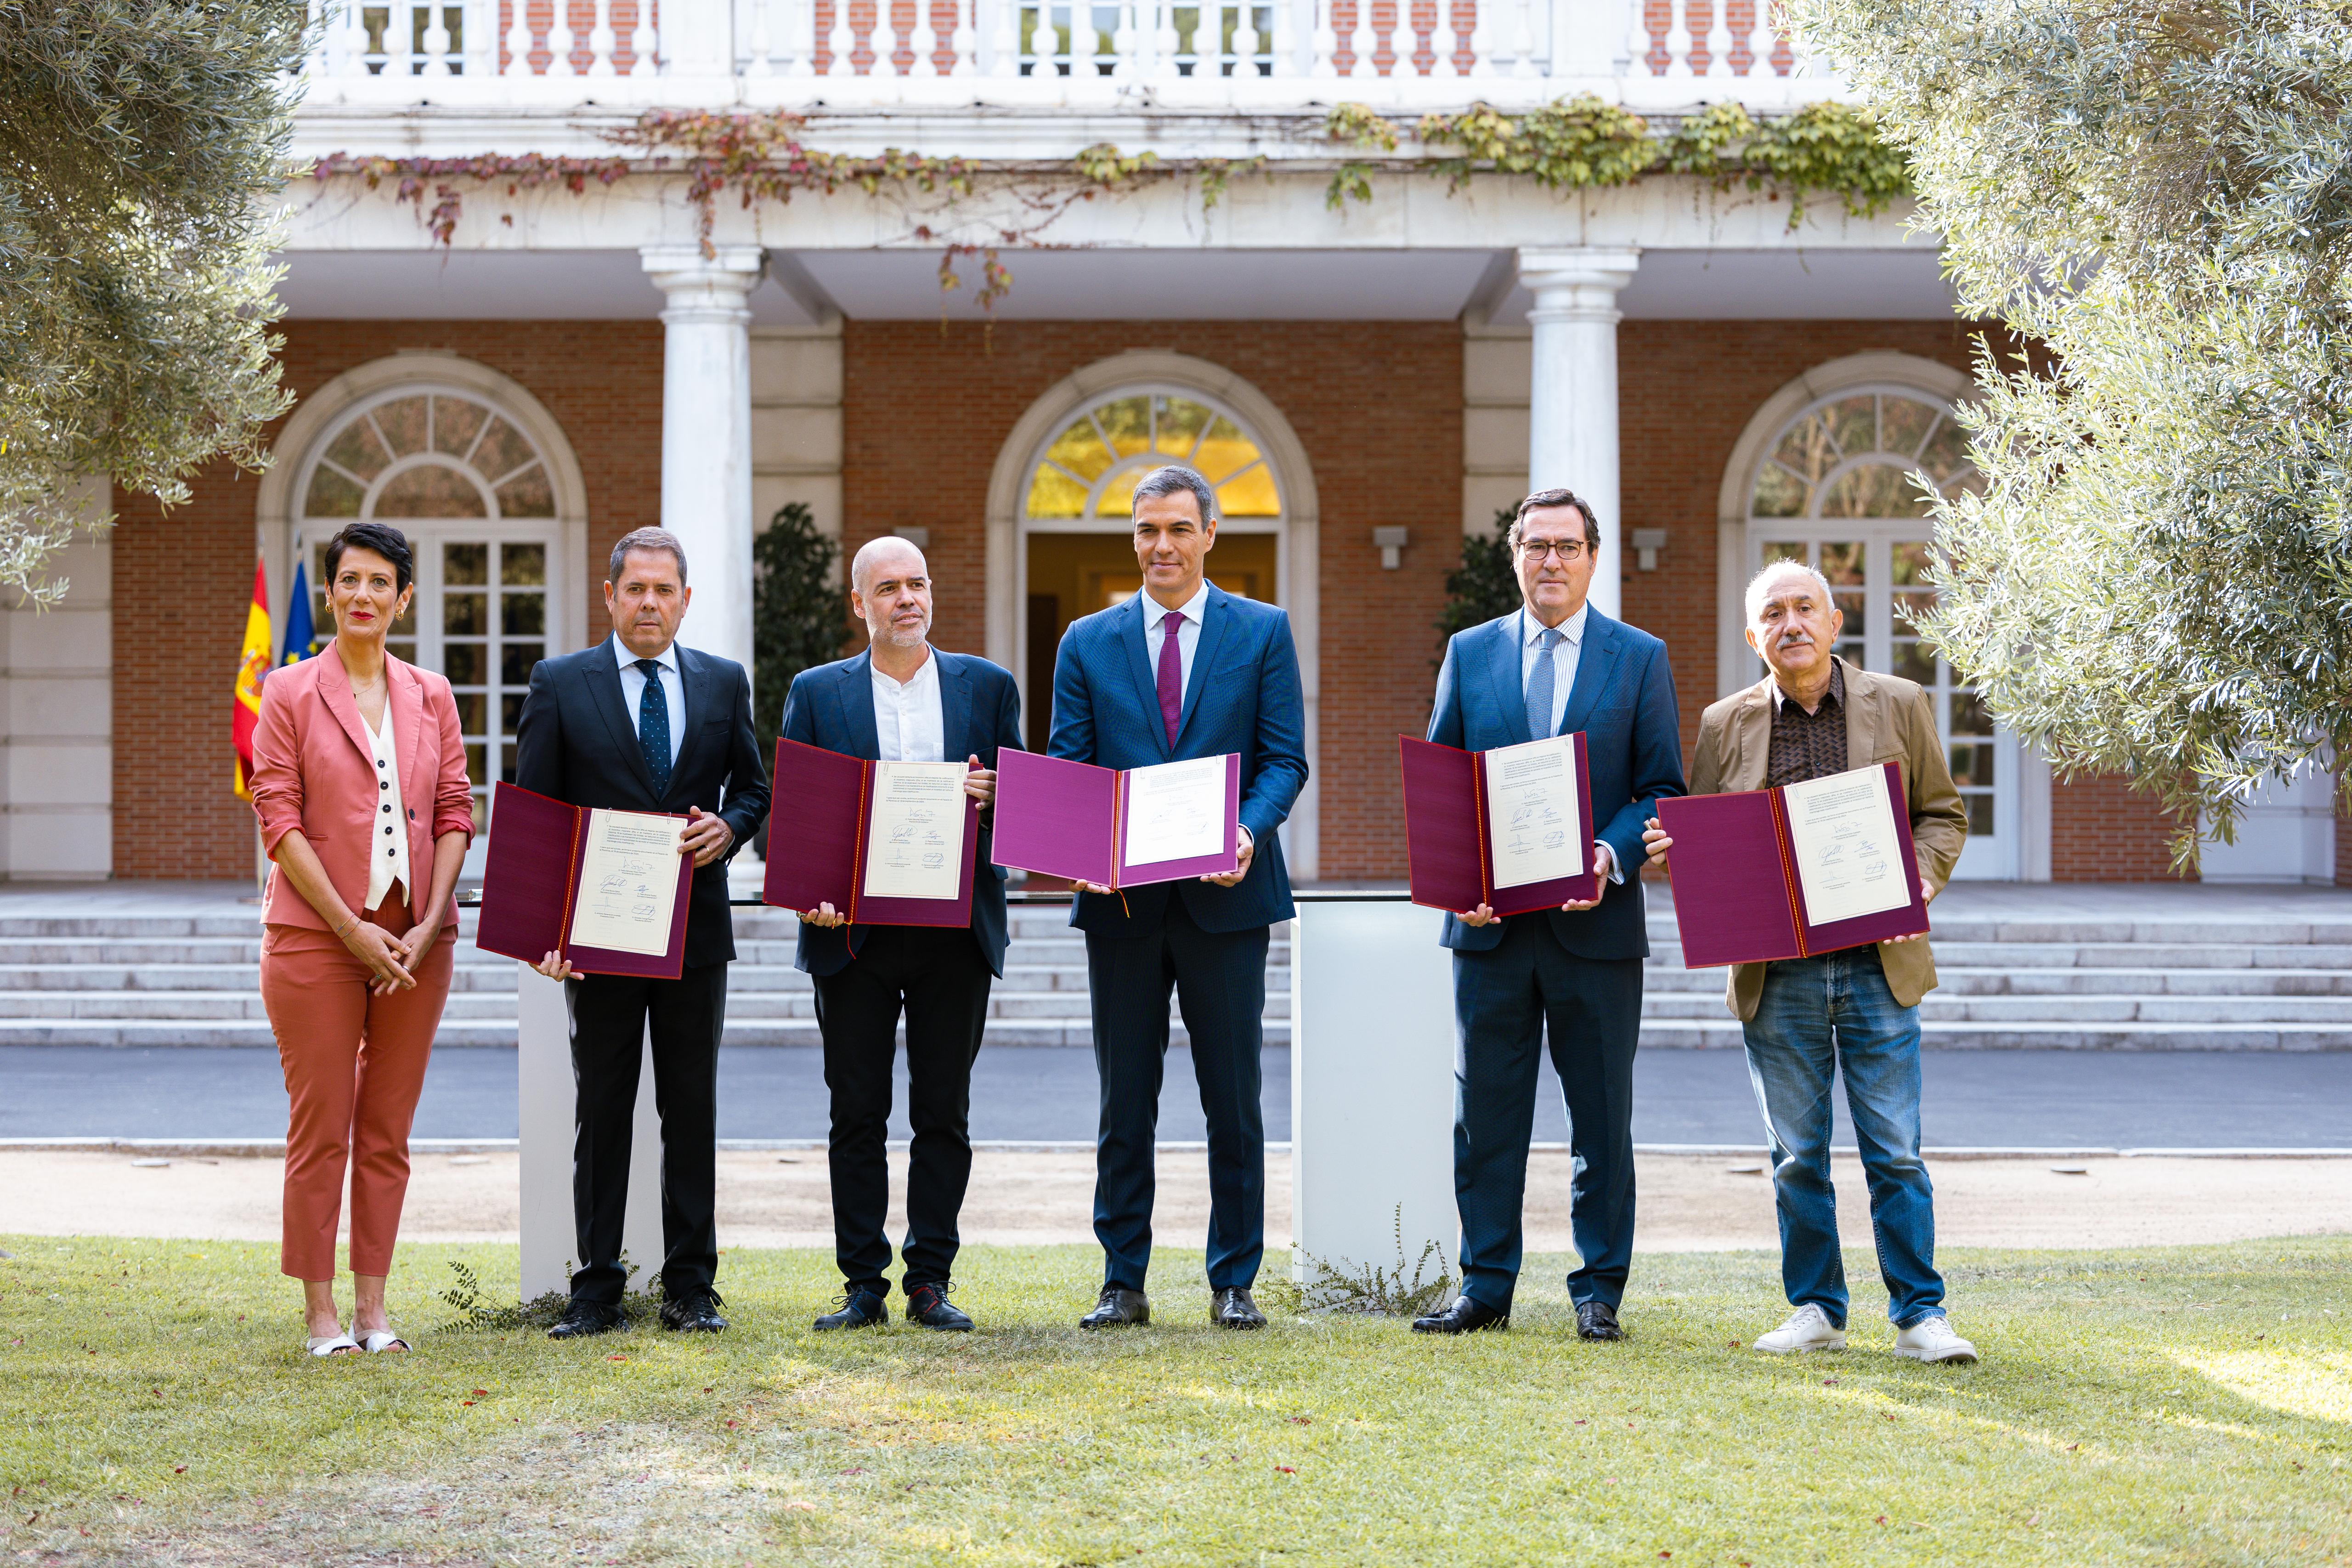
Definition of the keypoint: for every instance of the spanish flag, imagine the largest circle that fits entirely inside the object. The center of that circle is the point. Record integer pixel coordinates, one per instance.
(251, 666)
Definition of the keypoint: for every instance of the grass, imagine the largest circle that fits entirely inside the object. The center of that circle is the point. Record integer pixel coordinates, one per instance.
(2187, 1405)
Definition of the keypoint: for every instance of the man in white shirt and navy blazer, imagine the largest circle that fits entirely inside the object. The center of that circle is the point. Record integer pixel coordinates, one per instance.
(641, 723)
(1183, 670)
(903, 700)
(1553, 666)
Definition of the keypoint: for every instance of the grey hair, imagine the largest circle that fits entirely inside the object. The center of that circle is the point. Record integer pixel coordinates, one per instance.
(1544, 501)
(875, 546)
(645, 539)
(1167, 481)
(1757, 583)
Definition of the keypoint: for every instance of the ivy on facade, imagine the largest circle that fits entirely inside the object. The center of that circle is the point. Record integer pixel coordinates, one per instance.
(1573, 144)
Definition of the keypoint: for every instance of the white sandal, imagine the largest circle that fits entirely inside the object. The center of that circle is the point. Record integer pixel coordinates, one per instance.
(331, 1344)
(375, 1341)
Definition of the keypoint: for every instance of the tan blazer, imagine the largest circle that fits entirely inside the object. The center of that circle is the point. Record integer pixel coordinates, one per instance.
(1887, 719)
(314, 770)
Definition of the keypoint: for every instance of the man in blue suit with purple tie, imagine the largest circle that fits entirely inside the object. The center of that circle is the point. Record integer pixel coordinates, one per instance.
(1184, 669)
(1552, 666)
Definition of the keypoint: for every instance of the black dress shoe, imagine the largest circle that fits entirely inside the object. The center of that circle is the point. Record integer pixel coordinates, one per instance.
(1597, 1320)
(695, 1314)
(858, 1309)
(928, 1305)
(1232, 1308)
(581, 1318)
(1463, 1317)
(1117, 1308)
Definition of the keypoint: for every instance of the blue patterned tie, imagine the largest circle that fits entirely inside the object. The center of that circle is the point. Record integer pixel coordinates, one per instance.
(1540, 681)
(653, 726)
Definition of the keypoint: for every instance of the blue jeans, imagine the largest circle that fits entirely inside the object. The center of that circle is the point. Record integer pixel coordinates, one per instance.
(1820, 1016)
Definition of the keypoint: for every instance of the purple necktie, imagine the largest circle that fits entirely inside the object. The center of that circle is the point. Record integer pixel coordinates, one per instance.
(1172, 674)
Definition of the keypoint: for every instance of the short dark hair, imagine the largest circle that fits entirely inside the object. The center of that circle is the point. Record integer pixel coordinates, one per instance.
(1167, 481)
(645, 539)
(1544, 501)
(377, 538)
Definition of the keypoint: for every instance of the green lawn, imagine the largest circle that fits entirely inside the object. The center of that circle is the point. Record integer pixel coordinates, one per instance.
(2187, 1405)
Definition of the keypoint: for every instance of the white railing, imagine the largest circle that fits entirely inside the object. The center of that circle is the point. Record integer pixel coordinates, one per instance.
(1115, 42)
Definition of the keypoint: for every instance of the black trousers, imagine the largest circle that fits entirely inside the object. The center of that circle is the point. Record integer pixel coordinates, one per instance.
(1219, 978)
(941, 977)
(1508, 1004)
(609, 1015)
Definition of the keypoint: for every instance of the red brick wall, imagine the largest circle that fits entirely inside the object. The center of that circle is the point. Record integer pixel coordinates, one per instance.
(1378, 405)
(182, 582)
(2103, 831)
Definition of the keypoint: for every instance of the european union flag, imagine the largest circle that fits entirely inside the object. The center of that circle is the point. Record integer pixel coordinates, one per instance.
(301, 642)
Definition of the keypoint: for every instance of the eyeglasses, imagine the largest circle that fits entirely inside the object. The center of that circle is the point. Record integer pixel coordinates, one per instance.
(1567, 549)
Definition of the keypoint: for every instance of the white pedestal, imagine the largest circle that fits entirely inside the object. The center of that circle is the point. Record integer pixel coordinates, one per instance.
(543, 1071)
(1371, 1084)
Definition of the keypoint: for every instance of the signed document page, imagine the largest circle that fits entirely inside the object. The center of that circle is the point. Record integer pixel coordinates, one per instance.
(628, 882)
(914, 842)
(1175, 810)
(1849, 859)
(1532, 822)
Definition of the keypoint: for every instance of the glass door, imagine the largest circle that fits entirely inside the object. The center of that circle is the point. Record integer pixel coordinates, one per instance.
(1878, 579)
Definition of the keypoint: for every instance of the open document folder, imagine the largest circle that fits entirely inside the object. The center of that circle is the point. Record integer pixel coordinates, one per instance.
(1118, 828)
(1806, 868)
(887, 844)
(607, 890)
(1510, 829)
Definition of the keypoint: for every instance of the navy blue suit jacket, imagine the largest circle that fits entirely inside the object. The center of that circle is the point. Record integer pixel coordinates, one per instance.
(1624, 701)
(575, 741)
(832, 706)
(1244, 697)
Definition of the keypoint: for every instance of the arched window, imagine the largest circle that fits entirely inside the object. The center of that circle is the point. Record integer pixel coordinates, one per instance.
(1090, 468)
(473, 492)
(1835, 490)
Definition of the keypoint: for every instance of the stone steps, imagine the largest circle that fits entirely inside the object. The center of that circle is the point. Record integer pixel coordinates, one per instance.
(2170, 984)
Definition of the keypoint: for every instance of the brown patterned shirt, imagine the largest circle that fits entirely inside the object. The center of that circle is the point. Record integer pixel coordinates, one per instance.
(1808, 745)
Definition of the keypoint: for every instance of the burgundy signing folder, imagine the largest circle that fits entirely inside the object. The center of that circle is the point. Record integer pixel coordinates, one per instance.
(1448, 852)
(1061, 818)
(821, 802)
(1737, 896)
(531, 882)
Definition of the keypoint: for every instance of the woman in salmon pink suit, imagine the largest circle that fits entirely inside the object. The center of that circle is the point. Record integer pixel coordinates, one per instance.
(359, 779)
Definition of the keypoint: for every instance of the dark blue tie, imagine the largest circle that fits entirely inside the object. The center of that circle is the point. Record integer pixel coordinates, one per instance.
(653, 727)
(1539, 685)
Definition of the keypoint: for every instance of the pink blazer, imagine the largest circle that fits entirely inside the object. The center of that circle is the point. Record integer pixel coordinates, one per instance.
(314, 769)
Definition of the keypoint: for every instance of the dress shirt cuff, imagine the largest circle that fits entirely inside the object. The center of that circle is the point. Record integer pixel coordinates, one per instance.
(1616, 867)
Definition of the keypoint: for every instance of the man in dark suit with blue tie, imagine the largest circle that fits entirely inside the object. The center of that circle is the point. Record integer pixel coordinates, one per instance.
(1183, 670)
(903, 700)
(1553, 666)
(639, 722)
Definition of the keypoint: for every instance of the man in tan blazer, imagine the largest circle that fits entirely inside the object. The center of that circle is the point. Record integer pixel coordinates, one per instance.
(1854, 1013)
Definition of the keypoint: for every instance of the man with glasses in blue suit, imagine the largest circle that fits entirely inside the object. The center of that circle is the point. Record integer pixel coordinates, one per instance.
(1552, 666)
(1184, 669)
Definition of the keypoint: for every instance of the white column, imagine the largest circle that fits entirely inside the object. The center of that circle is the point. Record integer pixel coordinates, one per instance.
(1371, 1087)
(698, 37)
(1572, 388)
(706, 483)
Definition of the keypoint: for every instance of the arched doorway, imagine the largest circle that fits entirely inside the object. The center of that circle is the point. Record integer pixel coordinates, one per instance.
(1059, 540)
(479, 479)
(1827, 480)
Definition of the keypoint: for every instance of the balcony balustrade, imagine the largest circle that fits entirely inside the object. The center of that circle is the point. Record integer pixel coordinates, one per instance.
(1207, 54)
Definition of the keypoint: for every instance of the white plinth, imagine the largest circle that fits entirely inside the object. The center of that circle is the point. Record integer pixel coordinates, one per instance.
(1371, 1084)
(543, 1071)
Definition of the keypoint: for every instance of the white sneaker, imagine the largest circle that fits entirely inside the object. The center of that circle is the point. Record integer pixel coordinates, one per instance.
(1808, 1329)
(1931, 1338)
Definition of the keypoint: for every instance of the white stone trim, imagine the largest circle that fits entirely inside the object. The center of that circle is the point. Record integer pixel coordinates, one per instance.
(1301, 548)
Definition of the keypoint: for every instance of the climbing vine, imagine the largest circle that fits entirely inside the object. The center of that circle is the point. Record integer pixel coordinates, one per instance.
(1573, 144)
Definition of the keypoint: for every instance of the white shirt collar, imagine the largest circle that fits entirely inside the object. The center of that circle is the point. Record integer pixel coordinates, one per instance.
(1572, 629)
(1192, 609)
(667, 658)
(927, 671)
